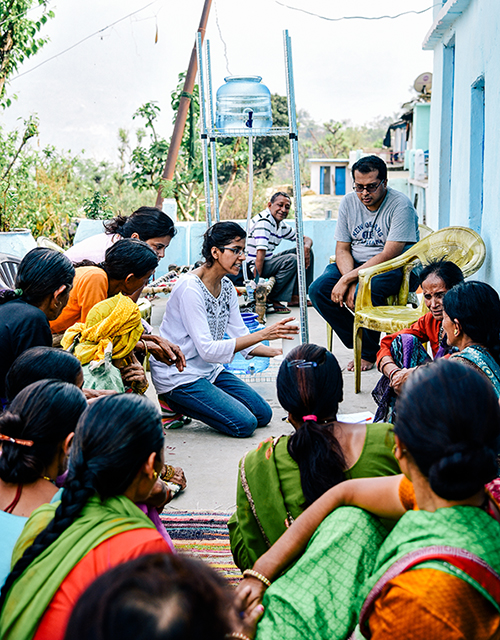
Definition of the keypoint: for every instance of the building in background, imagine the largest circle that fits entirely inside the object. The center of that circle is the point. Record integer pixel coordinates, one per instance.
(464, 171)
(330, 177)
(408, 141)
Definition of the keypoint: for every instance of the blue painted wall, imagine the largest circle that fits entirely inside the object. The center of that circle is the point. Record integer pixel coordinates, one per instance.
(473, 29)
(185, 247)
(421, 124)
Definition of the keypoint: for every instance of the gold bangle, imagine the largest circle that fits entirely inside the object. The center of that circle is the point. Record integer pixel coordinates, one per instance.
(169, 473)
(258, 576)
(236, 634)
(146, 352)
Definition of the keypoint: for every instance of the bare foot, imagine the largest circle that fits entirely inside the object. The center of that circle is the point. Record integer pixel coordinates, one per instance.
(365, 365)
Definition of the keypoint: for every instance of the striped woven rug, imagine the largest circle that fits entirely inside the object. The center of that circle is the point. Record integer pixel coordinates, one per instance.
(203, 535)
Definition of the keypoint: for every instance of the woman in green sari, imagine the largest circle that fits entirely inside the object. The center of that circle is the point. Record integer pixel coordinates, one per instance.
(115, 459)
(471, 320)
(436, 575)
(284, 475)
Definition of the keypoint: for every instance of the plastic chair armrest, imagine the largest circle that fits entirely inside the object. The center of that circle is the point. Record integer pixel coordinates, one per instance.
(364, 296)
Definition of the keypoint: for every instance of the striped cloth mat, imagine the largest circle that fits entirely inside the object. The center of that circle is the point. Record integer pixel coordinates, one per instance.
(203, 535)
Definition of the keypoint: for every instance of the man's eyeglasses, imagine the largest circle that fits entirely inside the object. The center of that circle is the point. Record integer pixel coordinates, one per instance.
(236, 250)
(359, 188)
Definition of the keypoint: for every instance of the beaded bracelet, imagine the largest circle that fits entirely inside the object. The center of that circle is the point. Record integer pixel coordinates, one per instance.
(236, 634)
(258, 576)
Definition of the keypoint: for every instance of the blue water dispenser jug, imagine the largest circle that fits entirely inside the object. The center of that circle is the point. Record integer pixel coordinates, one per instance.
(243, 102)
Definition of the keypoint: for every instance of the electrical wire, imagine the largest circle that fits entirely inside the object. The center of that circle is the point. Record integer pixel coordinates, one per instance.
(317, 15)
(19, 75)
(222, 39)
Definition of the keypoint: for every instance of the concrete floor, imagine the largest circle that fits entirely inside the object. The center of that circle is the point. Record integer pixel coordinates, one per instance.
(210, 459)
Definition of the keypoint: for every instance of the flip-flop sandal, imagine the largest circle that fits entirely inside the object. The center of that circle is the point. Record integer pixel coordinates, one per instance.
(281, 309)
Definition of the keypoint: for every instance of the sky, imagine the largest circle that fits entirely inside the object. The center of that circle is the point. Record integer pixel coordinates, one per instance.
(353, 70)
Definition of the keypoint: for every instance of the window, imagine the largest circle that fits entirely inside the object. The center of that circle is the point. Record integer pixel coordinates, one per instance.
(476, 168)
(446, 143)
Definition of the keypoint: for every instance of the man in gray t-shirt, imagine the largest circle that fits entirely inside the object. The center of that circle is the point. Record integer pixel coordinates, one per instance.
(375, 224)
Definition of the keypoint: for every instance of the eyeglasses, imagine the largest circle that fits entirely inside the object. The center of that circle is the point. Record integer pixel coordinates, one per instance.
(359, 188)
(236, 250)
(302, 364)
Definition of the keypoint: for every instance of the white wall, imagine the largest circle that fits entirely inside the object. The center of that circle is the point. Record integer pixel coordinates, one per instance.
(477, 53)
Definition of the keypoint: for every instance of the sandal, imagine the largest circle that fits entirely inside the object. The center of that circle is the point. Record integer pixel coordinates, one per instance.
(171, 419)
(279, 308)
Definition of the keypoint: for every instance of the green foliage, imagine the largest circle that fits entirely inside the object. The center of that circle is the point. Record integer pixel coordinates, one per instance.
(97, 207)
(19, 37)
(232, 153)
(37, 188)
(147, 162)
(148, 158)
(267, 151)
(47, 190)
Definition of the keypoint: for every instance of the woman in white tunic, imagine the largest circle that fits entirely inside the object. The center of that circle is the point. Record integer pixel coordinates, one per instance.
(203, 307)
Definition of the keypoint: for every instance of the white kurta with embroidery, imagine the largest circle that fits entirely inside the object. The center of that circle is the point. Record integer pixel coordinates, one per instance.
(196, 321)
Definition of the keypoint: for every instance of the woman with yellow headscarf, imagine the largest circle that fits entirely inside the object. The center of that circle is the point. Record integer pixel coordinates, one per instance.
(108, 337)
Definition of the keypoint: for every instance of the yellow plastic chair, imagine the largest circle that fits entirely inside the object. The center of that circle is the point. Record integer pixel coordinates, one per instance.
(460, 245)
(424, 231)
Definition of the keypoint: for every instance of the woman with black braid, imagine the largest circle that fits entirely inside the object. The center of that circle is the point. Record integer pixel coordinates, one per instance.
(284, 475)
(34, 436)
(115, 459)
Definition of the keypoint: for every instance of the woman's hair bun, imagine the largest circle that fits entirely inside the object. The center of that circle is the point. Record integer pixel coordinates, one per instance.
(11, 424)
(120, 220)
(463, 471)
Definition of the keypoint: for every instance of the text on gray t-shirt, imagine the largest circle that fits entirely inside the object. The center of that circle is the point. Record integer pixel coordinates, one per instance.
(367, 231)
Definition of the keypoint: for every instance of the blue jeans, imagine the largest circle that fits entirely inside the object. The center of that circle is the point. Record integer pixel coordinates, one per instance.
(341, 319)
(228, 404)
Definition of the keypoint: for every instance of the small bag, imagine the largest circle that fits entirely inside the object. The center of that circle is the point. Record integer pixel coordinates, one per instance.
(103, 374)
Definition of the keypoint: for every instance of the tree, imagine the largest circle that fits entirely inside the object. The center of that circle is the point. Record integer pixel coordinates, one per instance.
(232, 154)
(18, 36)
(268, 151)
(148, 158)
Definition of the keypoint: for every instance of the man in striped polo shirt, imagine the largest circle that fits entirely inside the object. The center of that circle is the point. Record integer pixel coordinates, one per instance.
(267, 230)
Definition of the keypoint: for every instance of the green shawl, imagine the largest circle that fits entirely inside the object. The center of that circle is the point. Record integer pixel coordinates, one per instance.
(269, 493)
(461, 527)
(32, 592)
(316, 598)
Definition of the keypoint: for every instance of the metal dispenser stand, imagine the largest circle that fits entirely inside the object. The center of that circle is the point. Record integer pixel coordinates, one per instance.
(209, 135)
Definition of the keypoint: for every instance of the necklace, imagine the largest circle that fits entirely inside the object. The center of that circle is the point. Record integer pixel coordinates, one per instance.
(49, 479)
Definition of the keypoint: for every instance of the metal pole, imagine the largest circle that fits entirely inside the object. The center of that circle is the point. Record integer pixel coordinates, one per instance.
(184, 102)
(299, 224)
(250, 201)
(203, 129)
(213, 148)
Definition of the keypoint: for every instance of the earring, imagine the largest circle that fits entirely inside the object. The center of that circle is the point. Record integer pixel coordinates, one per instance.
(456, 332)
(155, 475)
